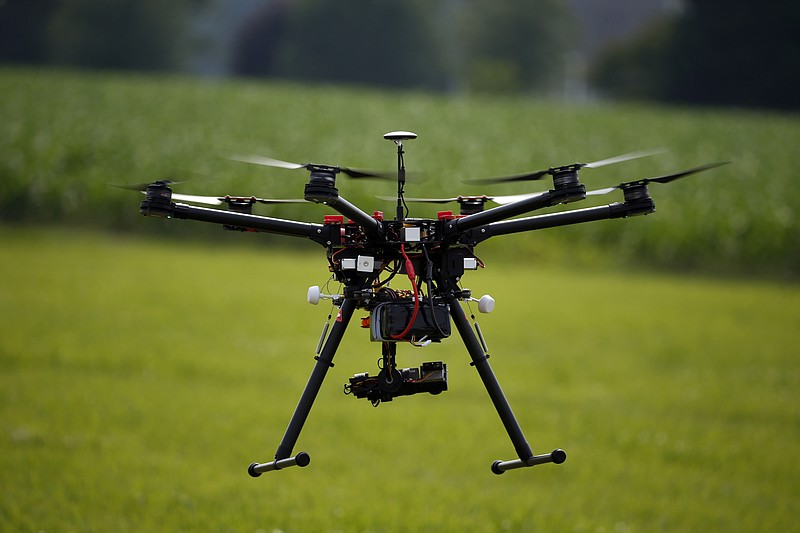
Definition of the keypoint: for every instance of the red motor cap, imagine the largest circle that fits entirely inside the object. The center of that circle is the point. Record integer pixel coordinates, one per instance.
(333, 219)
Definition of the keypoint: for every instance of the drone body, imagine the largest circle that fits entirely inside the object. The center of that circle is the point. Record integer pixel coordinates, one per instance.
(406, 273)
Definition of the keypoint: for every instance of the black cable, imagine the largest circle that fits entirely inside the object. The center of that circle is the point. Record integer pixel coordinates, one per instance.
(429, 282)
(402, 186)
(392, 273)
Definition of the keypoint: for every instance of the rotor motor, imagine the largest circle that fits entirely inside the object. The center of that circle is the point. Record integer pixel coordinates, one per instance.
(321, 186)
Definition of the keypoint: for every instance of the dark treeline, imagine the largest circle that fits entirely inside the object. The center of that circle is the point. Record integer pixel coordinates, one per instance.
(716, 52)
(719, 52)
(101, 34)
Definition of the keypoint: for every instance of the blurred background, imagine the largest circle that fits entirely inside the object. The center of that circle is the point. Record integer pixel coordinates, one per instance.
(681, 51)
(145, 362)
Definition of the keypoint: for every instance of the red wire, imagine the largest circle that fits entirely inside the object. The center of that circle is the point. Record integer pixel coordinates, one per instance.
(412, 276)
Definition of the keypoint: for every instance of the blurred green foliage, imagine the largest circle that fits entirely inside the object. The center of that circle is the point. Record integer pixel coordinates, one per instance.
(514, 46)
(67, 135)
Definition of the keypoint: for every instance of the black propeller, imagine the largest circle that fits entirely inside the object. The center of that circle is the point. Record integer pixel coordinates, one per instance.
(348, 171)
(539, 174)
(660, 179)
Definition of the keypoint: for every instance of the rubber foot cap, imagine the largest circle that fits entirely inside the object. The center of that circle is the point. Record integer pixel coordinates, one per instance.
(495, 468)
(303, 459)
(251, 470)
(559, 456)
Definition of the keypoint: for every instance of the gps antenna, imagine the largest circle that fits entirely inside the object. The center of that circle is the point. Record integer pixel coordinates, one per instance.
(398, 137)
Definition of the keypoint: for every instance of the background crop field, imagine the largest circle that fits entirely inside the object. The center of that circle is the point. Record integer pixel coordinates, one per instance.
(139, 379)
(66, 135)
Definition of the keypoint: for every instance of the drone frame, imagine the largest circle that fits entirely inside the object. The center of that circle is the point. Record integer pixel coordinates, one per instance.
(441, 248)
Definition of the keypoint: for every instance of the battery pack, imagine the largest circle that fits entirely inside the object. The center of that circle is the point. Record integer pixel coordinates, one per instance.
(389, 319)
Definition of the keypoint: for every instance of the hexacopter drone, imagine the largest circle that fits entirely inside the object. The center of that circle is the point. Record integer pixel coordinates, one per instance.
(365, 252)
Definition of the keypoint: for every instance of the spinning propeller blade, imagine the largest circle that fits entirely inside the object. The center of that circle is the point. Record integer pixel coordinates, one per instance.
(142, 187)
(502, 200)
(348, 171)
(227, 199)
(210, 200)
(660, 179)
(267, 161)
(672, 177)
(622, 158)
(280, 201)
(528, 176)
(423, 200)
(539, 174)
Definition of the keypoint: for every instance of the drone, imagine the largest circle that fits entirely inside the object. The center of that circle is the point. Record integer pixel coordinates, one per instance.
(367, 252)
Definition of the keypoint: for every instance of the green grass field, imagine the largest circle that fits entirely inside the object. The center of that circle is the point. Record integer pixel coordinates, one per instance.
(140, 378)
